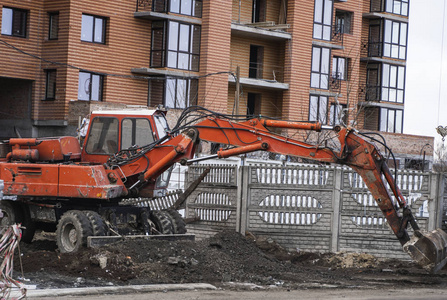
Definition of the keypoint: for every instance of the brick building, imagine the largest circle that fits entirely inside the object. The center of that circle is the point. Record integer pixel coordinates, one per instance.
(320, 60)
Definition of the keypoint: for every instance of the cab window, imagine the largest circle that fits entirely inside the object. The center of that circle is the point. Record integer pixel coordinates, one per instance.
(136, 132)
(103, 136)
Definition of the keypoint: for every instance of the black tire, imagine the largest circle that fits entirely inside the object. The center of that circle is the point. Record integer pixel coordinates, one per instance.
(30, 225)
(177, 221)
(11, 213)
(99, 227)
(162, 222)
(72, 231)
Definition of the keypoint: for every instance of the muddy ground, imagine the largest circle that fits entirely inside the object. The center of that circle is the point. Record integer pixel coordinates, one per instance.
(228, 259)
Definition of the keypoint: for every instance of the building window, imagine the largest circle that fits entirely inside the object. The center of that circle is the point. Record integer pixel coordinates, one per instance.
(90, 86)
(391, 120)
(50, 87)
(14, 22)
(339, 68)
(318, 108)
(183, 45)
(323, 19)
(256, 61)
(253, 104)
(93, 29)
(173, 92)
(395, 39)
(399, 7)
(337, 114)
(343, 20)
(258, 14)
(54, 25)
(393, 83)
(320, 68)
(185, 7)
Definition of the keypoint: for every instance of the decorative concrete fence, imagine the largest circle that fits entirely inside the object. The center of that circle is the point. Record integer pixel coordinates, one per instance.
(308, 207)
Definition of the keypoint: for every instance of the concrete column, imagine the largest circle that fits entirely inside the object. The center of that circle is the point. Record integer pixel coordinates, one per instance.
(336, 208)
(435, 201)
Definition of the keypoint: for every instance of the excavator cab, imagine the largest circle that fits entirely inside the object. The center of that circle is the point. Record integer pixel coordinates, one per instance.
(112, 131)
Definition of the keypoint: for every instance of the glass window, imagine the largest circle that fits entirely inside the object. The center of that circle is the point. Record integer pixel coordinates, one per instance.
(343, 21)
(103, 136)
(322, 19)
(93, 29)
(183, 45)
(391, 120)
(186, 7)
(318, 108)
(50, 87)
(161, 124)
(399, 7)
(337, 114)
(136, 131)
(53, 25)
(393, 83)
(14, 22)
(320, 68)
(395, 39)
(180, 93)
(339, 68)
(90, 86)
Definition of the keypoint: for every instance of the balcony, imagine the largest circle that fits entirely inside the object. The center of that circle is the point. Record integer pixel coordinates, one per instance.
(397, 7)
(371, 96)
(162, 10)
(266, 30)
(375, 53)
(259, 75)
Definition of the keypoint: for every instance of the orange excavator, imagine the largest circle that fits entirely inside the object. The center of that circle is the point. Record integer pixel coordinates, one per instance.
(52, 183)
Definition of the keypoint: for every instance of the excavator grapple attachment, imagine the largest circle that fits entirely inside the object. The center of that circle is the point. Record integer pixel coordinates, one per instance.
(428, 249)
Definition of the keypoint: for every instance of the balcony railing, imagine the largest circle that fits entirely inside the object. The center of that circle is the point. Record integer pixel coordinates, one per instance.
(337, 34)
(267, 72)
(335, 82)
(370, 92)
(375, 49)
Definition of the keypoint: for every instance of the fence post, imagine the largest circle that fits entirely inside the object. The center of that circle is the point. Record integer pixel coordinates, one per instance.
(242, 198)
(436, 200)
(336, 209)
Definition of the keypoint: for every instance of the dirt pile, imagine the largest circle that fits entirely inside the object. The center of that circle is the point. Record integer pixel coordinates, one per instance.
(226, 257)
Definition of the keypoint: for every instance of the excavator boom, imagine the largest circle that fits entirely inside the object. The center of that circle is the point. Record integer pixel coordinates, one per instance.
(427, 249)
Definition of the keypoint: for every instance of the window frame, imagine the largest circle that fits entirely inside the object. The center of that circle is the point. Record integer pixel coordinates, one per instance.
(23, 23)
(93, 29)
(315, 117)
(48, 73)
(322, 16)
(336, 64)
(189, 100)
(335, 117)
(346, 19)
(320, 73)
(400, 45)
(384, 120)
(196, 8)
(51, 29)
(391, 8)
(389, 88)
(100, 88)
(173, 46)
(133, 133)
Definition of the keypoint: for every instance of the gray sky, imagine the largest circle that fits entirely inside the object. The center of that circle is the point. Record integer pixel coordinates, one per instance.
(426, 91)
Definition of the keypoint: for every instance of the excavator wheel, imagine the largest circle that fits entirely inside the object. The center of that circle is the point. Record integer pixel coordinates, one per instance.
(72, 231)
(99, 227)
(11, 213)
(28, 224)
(162, 222)
(177, 221)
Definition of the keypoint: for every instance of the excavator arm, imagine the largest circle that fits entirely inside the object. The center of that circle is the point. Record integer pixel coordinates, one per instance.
(427, 249)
